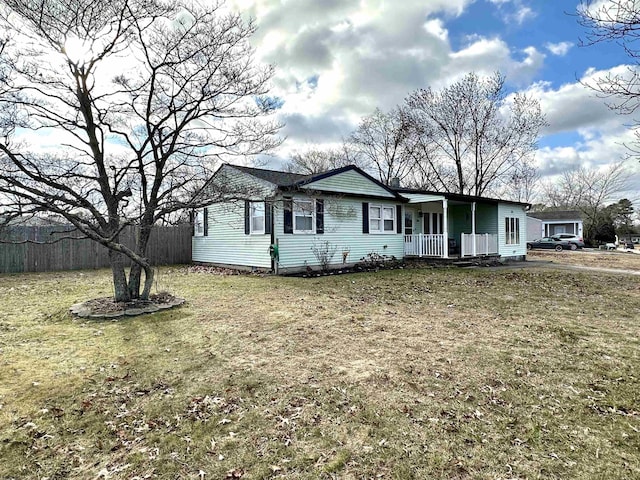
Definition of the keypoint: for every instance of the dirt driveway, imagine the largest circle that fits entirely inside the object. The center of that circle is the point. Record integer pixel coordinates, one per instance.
(587, 259)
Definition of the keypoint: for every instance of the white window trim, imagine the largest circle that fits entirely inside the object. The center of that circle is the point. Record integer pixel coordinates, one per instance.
(297, 209)
(252, 216)
(512, 226)
(382, 208)
(198, 223)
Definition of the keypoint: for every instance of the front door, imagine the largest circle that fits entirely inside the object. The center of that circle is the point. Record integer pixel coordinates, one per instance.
(408, 221)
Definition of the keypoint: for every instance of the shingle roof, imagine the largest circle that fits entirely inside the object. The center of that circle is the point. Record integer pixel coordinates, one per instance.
(457, 196)
(557, 215)
(287, 180)
(281, 179)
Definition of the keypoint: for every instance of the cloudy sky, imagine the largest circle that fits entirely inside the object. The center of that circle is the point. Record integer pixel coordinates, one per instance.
(337, 60)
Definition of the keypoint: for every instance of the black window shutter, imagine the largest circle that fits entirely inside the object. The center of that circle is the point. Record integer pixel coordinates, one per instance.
(319, 216)
(268, 215)
(192, 219)
(365, 217)
(247, 217)
(206, 222)
(398, 218)
(288, 215)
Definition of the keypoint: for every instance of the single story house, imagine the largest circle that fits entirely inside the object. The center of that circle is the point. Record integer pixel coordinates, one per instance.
(629, 238)
(290, 222)
(547, 224)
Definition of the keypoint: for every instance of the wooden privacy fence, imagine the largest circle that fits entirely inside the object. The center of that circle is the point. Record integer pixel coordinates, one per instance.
(167, 246)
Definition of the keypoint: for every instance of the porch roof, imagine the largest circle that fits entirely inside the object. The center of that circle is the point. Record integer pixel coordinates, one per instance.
(422, 197)
(418, 196)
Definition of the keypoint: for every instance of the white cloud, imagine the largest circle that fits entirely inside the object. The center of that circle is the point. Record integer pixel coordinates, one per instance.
(521, 14)
(560, 49)
(597, 153)
(574, 106)
(486, 55)
(364, 54)
(596, 135)
(514, 11)
(338, 60)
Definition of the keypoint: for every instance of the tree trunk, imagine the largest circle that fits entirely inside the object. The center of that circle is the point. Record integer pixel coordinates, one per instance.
(135, 274)
(135, 279)
(148, 282)
(121, 292)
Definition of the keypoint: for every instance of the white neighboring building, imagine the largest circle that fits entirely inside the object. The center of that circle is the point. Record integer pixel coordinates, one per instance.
(547, 224)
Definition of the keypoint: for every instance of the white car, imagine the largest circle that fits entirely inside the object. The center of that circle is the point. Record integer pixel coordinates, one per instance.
(575, 241)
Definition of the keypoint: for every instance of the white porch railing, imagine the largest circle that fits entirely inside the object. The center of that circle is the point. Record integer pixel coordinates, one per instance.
(486, 244)
(422, 245)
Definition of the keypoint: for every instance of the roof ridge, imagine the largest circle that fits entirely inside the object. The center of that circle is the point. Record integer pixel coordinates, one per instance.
(242, 167)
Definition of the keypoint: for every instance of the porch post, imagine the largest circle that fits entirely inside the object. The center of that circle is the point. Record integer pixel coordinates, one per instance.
(473, 227)
(445, 227)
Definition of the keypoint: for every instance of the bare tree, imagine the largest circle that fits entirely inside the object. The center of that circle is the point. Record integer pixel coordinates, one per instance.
(470, 137)
(522, 184)
(616, 21)
(380, 142)
(141, 98)
(588, 190)
(318, 160)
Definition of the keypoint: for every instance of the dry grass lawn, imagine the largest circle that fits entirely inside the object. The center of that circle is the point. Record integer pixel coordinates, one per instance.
(456, 374)
(617, 260)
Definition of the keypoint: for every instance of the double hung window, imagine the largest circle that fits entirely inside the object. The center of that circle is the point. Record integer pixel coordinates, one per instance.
(303, 216)
(198, 223)
(257, 217)
(382, 219)
(512, 230)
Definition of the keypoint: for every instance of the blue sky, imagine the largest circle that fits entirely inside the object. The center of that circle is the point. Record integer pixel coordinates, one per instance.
(337, 60)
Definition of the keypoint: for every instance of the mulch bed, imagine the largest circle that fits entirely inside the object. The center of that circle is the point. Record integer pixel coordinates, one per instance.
(209, 269)
(107, 307)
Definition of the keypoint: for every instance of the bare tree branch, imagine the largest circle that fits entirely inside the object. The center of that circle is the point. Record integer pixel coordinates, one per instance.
(470, 137)
(616, 21)
(144, 97)
(381, 142)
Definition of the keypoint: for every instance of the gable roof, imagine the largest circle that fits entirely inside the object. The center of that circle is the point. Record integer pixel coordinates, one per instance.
(289, 181)
(349, 168)
(281, 179)
(557, 215)
(293, 181)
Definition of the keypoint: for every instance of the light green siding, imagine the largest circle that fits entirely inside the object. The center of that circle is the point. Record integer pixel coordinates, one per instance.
(486, 218)
(227, 243)
(506, 210)
(459, 221)
(239, 184)
(349, 182)
(343, 231)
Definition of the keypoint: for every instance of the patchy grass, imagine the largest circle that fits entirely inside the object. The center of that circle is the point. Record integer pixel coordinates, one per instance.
(483, 374)
(618, 260)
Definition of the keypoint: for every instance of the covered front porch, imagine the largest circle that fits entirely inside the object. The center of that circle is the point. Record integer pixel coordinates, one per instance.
(439, 227)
